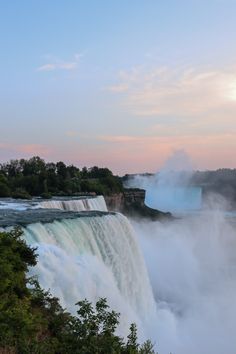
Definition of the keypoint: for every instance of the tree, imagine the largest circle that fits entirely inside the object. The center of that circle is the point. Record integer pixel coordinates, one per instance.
(61, 169)
(4, 188)
(33, 177)
(34, 166)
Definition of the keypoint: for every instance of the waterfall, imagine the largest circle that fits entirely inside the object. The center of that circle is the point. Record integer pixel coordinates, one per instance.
(82, 204)
(92, 257)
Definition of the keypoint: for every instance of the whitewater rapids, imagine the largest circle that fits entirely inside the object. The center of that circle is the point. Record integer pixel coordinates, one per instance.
(83, 204)
(73, 204)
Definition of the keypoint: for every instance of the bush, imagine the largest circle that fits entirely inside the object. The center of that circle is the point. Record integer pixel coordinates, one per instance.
(4, 190)
(46, 195)
(21, 193)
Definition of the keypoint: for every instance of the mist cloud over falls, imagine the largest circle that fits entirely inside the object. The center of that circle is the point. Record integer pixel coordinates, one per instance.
(192, 268)
(170, 189)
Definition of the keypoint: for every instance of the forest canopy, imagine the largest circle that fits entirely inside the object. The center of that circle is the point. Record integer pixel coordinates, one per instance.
(35, 177)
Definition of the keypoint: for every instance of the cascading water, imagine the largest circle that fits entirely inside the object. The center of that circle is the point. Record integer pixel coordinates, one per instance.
(79, 204)
(92, 257)
(96, 203)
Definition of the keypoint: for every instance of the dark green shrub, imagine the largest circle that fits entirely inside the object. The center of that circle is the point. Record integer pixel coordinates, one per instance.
(46, 195)
(4, 190)
(21, 193)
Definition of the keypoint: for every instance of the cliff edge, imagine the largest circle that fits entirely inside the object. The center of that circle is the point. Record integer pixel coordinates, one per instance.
(131, 203)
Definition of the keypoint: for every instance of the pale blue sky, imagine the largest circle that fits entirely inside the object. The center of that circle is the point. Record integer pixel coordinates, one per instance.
(118, 83)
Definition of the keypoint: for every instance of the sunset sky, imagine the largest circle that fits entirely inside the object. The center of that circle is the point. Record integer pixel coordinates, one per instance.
(121, 84)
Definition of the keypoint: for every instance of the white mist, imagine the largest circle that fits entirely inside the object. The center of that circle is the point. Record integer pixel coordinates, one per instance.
(192, 268)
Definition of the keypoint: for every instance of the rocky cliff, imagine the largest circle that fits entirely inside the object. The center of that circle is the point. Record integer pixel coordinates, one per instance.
(131, 203)
(115, 202)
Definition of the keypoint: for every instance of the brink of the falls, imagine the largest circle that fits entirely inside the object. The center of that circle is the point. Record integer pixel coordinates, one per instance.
(82, 204)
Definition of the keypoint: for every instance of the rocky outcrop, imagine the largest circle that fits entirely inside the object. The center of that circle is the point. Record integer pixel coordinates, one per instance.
(131, 203)
(115, 202)
(134, 195)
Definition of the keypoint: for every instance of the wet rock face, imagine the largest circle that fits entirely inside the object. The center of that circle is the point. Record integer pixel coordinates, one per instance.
(9, 217)
(132, 196)
(115, 202)
(120, 201)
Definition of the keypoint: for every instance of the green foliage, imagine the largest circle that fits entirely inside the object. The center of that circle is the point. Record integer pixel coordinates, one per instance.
(34, 177)
(46, 195)
(132, 338)
(147, 348)
(95, 330)
(21, 193)
(16, 320)
(32, 321)
(4, 188)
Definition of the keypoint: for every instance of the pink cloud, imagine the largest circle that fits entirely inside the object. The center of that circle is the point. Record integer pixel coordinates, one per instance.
(13, 151)
(130, 154)
(34, 149)
(119, 138)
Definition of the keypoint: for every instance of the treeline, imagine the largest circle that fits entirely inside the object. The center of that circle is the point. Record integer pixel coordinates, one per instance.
(32, 321)
(34, 177)
(221, 181)
(222, 175)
